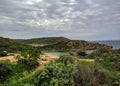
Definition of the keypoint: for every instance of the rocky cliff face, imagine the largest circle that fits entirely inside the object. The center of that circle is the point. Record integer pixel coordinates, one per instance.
(80, 44)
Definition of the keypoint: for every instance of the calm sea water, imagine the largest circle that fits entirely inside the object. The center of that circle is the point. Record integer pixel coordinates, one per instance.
(114, 43)
(56, 53)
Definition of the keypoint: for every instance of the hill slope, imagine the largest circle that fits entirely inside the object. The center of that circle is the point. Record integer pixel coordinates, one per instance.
(10, 45)
(73, 45)
(46, 40)
(61, 44)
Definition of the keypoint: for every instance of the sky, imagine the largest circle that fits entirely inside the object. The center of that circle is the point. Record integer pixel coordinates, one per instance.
(75, 19)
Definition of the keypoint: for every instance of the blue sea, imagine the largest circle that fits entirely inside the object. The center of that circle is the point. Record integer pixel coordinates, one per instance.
(114, 43)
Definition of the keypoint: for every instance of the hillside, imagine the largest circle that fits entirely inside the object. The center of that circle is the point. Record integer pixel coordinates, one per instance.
(48, 44)
(46, 40)
(73, 45)
(10, 45)
(61, 44)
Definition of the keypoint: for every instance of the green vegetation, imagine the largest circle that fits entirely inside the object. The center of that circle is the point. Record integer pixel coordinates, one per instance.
(46, 40)
(29, 59)
(65, 71)
(11, 46)
(5, 72)
(68, 70)
(61, 44)
(57, 73)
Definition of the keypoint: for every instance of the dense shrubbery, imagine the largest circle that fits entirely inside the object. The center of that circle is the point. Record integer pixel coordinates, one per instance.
(58, 73)
(84, 76)
(29, 58)
(67, 71)
(109, 60)
(5, 72)
(102, 52)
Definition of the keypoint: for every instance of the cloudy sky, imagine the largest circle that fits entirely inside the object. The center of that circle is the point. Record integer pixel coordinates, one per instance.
(75, 19)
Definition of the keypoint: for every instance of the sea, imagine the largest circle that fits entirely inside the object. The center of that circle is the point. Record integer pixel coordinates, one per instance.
(114, 43)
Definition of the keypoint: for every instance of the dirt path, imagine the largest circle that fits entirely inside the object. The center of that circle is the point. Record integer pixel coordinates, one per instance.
(87, 60)
(44, 58)
(10, 58)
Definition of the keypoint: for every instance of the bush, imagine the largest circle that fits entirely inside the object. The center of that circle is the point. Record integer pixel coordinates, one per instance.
(57, 73)
(102, 52)
(102, 77)
(3, 53)
(29, 59)
(5, 72)
(81, 53)
(67, 71)
(84, 76)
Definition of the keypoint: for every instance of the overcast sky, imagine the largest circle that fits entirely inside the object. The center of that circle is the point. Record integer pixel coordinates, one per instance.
(75, 19)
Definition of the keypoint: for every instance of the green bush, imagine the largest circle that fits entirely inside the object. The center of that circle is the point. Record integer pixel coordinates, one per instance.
(102, 52)
(57, 73)
(29, 59)
(81, 53)
(67, 71)
(5, 72)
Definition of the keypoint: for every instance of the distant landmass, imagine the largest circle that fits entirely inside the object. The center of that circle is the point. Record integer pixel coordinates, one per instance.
(49, 44)
(60, 44)
(114, 43)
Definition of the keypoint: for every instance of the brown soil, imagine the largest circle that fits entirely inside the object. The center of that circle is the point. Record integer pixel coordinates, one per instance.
(44, 58)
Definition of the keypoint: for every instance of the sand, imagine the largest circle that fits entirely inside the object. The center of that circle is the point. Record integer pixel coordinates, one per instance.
(43, 58)
(10, 58)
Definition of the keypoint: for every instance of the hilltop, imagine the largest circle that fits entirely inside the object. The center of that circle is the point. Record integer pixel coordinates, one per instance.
(45, 40)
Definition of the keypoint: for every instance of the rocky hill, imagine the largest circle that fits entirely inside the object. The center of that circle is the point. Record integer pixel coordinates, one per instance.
(64, 45)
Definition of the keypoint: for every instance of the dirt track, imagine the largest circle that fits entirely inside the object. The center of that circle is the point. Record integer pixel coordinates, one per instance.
(10, 58)
(44, 58)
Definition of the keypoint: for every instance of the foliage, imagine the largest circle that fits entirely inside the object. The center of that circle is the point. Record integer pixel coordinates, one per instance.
(81, 53)
(57, 73)
(46, 40)
(5, 72)
(29, 58)
(68, 71)
(65, 71)
(84, 76)
(102, 52)
(10, 45)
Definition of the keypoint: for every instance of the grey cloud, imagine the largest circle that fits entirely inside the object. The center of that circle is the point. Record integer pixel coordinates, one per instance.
(71, 18)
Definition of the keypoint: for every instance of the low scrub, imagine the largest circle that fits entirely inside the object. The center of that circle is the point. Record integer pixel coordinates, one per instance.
(29, 59)
(5, 72)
